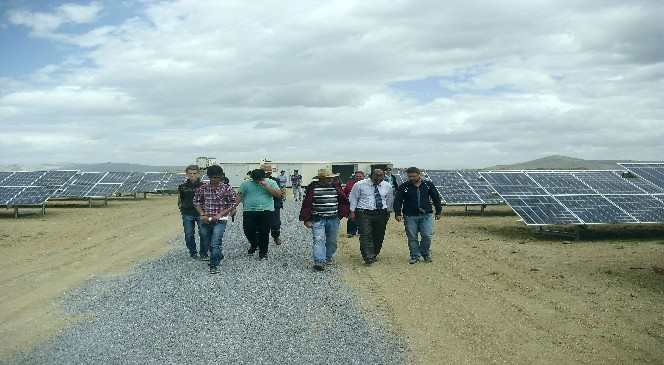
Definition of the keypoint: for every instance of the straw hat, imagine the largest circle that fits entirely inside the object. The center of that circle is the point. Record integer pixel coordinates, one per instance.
(323, 173)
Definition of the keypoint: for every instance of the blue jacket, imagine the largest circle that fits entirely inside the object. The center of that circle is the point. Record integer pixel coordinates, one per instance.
(409, 199)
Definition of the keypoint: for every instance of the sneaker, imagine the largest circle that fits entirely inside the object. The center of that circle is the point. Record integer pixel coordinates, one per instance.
(261, 258)
(214, 270)
(251, 251)
(205, 258)
(427, 259)
(194, 256)
(319, 267)
(277, 241)
(413, 260)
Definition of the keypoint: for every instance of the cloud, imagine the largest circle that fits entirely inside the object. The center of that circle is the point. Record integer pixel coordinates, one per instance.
(438, 85)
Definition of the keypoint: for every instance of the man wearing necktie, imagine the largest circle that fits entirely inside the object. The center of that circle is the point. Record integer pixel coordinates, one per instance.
(369, 203)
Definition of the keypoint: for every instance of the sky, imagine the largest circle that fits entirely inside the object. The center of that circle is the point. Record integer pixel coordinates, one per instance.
(427, 83)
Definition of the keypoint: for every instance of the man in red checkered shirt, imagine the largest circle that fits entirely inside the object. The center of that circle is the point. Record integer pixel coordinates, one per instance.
(215, 201)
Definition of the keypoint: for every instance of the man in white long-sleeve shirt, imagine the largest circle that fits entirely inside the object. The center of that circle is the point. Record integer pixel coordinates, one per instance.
(370, 200)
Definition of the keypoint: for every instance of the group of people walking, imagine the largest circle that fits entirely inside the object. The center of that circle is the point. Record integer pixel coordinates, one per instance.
(367, 203)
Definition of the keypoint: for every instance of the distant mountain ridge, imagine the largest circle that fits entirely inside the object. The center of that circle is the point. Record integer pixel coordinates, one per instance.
(558, 162)
(119, 166)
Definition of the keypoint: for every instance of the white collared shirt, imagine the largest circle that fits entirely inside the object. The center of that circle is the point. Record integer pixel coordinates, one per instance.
(362, 195)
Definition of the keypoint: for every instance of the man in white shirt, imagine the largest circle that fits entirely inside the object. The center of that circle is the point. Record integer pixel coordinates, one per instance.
(369, 203)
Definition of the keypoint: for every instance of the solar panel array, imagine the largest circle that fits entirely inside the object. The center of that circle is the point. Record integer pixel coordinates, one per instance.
(463, 187)
(577, 197)
(651, 174)
(36, 187)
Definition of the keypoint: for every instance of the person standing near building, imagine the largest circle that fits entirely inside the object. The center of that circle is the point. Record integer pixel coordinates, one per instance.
(275, 220)
(257, 197)
(190, 217)
(391, 179)
(296, 184)
(283, 183)
(413, 200)
(351, 224)
(369, 200)
(214, 201)
(323, 206)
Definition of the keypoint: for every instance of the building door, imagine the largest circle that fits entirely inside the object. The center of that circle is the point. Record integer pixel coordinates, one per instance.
(345, 172)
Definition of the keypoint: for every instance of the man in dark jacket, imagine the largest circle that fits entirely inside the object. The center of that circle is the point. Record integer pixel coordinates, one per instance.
(190, 217)
(275, 220)
(414, 200)
(323, 206)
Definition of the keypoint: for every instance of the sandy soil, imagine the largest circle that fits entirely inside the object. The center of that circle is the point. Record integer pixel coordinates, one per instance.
(43, 257)
(496, 293)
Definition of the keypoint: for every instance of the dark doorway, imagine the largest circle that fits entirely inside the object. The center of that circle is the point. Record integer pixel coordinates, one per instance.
(345, 172)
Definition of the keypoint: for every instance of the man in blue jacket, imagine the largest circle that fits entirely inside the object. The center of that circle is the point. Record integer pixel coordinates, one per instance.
(414, 200)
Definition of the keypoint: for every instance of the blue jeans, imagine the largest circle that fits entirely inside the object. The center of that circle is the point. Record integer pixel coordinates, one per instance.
(325, 232)
(189, 222)
(212, 235)
(422, 224)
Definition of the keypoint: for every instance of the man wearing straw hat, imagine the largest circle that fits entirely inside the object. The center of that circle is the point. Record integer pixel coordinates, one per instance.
(323, 206)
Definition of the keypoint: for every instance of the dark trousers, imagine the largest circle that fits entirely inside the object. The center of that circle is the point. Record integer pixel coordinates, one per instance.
(372, 226)
(351, 227)
(256, 227)
(275, 223)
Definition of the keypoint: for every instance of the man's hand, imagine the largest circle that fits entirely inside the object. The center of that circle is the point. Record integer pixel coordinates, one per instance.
(263, 183)
(353, 216)
(398, 218)
(437, 217)
(308, 224)
(205, 219)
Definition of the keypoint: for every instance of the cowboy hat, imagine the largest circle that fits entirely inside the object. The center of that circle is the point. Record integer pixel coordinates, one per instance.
(323, 173)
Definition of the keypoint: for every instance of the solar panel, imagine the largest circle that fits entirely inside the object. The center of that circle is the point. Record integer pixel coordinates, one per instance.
(115, 177)
(512, 183)
(150, 182)
(400, 175)
(595, 209)
(4, 175)
(80, 184)
(557, 183)
(129, 185)
(653, 173)
(540, 210)
(32, 195)
(172, 181)
(56, 178)
(483, 190)
(607, 182)
(645, 208)
(453, 188)
(103, 190)
(23, 178)
(7, 193)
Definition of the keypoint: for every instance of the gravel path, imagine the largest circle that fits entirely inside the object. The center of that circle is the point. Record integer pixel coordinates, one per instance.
(171, 311)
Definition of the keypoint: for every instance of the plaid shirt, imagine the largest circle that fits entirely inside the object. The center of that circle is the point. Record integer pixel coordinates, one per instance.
(212, 200)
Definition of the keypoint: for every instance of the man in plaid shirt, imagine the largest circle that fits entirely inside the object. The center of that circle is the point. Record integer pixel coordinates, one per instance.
(215, 201)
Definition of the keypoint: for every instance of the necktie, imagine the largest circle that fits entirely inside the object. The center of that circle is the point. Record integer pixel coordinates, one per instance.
(379, 199)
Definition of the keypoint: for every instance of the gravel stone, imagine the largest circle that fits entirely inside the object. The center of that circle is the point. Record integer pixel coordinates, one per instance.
(172, 311)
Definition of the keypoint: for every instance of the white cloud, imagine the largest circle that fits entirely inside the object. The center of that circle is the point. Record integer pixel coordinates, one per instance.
(291, 80)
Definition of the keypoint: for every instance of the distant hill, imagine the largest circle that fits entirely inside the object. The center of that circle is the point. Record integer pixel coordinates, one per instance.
(113, 166)
(557, 162)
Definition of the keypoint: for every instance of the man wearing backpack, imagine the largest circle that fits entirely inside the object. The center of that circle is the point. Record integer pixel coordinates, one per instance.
(414, 200)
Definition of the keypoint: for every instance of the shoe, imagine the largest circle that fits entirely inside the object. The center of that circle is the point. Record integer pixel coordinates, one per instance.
(221, 257)
(369, 261)
(319, 267)
(277, 241)
(413, 260)
(330, 262)
(194, 256)
(427, 259)
(261, 258)
(214, 270)
(251, 251)
(205, 258)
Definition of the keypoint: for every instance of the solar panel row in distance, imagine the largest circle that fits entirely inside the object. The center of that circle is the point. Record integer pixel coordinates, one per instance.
(653, 173)
(483, 190)
(80, 185)
(607, 182)
(453, 188)
(513, 183)
(540, 210)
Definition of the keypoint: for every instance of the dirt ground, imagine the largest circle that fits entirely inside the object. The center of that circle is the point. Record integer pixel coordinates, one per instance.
(497, 293)
(43, 257)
